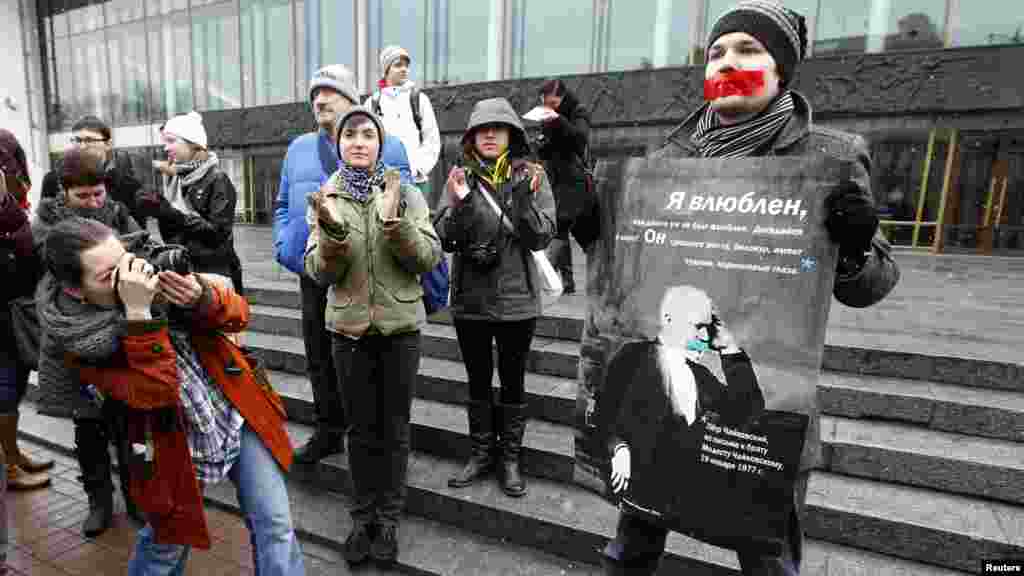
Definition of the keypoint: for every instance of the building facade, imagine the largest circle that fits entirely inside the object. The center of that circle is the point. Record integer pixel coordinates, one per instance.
(930, 83)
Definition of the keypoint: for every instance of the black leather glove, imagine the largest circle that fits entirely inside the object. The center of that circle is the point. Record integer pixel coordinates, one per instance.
(852, 220)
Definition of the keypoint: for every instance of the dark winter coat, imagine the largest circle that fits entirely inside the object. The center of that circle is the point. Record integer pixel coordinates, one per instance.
(510, 290)
(19, 267)
(124, 187)
(563, 149)
(59, 391)
(209, 236)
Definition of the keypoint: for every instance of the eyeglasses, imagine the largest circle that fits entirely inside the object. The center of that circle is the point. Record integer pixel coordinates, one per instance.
(80, 141)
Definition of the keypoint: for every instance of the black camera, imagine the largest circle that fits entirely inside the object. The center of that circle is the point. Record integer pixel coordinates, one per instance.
(171, 258)
(483, 255)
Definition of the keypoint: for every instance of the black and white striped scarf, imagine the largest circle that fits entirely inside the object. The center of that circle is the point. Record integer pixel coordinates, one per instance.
(715, 140)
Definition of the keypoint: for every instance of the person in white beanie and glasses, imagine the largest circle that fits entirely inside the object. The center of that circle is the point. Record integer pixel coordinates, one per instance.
(407, 113)
(752, 53)
(197, 209)
(309, 162)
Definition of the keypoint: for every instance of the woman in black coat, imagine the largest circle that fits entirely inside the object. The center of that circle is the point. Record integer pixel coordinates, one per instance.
(563, 148)
(198, 209)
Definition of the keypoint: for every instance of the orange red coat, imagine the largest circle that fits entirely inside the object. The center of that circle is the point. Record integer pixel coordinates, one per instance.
(144, 375)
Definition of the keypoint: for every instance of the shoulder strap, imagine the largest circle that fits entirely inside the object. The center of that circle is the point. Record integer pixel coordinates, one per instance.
(375, 102)
(414, 103)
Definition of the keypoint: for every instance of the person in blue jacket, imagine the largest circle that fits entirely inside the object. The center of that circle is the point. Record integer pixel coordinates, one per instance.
(310, 161)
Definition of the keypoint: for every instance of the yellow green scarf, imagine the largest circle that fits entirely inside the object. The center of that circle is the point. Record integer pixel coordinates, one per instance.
(496, 174)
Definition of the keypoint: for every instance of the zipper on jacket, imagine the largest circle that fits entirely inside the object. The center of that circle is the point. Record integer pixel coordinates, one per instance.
(372, 279)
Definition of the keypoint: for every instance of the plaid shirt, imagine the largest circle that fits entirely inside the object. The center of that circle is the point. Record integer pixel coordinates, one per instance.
(214, 426)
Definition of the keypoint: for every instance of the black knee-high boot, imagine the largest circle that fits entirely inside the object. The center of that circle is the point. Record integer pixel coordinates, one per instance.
(481, 435)
(513, 425)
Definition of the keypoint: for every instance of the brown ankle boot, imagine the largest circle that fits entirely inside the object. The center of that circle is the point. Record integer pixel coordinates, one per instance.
(27, 463)
(18, 479)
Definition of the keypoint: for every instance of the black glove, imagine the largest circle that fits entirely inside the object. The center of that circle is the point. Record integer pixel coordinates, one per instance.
(852, 220)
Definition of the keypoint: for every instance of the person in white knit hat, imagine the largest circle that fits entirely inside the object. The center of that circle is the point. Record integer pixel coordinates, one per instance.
(407, 114)
(197, 209)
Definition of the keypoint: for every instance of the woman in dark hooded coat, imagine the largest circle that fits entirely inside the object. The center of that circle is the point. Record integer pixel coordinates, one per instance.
(563, 148)
(495, 283)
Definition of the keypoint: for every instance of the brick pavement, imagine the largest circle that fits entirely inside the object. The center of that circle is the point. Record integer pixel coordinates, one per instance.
(45, 535)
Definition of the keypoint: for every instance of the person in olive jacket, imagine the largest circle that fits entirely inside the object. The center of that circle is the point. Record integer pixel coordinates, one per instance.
(371, 239)
(495, 284)
(198, 209)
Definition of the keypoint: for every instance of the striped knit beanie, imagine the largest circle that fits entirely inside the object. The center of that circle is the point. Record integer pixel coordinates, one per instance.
(782, 31)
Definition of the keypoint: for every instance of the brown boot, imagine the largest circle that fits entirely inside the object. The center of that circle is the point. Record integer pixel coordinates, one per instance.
(29, 464)
(17, 477)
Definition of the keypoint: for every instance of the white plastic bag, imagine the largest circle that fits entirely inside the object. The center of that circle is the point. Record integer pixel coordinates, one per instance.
(550, 279)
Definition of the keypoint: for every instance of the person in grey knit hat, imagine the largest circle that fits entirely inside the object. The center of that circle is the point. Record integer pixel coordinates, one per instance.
(371, 239)
(753, 52)
(311, 159)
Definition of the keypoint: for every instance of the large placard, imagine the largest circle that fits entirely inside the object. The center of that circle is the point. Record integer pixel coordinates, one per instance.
(708, 298)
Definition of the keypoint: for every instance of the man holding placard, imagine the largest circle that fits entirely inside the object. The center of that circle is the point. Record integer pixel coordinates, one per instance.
(762, 210)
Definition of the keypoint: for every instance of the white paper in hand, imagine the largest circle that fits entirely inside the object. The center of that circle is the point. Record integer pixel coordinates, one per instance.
(539, 114)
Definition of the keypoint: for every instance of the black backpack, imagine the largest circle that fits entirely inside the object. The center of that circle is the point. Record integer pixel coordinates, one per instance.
(414, 102)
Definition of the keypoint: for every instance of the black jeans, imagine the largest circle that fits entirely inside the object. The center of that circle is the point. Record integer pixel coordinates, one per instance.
(639, 544)
(513, 338)
(330, 410)
(378, 374)
(561, 255)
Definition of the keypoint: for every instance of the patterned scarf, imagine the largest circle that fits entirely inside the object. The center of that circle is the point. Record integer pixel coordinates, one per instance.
(359, 181)
(736, 141)
(187, 174)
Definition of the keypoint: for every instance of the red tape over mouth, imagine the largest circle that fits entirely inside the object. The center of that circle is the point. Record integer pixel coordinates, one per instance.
(737, 83)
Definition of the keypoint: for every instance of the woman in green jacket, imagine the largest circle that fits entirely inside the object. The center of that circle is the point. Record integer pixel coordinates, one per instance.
(371, 238)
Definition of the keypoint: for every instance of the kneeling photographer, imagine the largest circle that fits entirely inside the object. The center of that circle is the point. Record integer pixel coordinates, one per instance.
(497, 210)
(199, 411)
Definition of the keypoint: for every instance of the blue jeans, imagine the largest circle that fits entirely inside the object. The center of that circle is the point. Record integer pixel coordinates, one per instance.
(263, 498)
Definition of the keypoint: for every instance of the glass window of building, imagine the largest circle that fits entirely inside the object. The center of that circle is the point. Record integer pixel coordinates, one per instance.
(300, 64)
(120, 11)
(849, 26)
(129, 83)
(59, 20)
(337, 42)
(86, 17)
(170, 64)
(215, 57)
(646, 34)
(1001, 22)
(399, 22)
(62, 89)
(550, 38)
(267, 47)
(463, 45)
(167, 6)
(89, 70)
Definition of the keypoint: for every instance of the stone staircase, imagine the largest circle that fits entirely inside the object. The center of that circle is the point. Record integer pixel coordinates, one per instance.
(924, 461)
